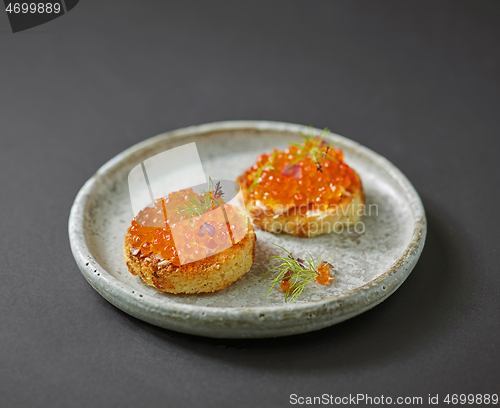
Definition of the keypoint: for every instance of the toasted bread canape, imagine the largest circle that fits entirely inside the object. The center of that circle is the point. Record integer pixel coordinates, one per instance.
(181, 252)
(306, 189)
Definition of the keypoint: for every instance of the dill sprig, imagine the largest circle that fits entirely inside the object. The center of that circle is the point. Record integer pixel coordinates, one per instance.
(196, 205)
(313, 147)
(298, 272)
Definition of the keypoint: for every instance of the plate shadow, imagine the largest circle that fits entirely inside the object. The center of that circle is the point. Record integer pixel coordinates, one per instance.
(418, 313)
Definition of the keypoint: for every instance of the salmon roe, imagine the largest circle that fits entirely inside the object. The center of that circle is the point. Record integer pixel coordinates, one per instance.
(291, 177)
(286, 285)
(324, 278)
(324, 274)
(160, 231)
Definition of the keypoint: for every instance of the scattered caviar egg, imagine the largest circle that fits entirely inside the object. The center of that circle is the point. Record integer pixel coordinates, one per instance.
(286, 285)
(324, 273)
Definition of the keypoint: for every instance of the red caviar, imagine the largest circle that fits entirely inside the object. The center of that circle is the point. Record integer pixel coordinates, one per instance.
(324, 274)
(160, 231)
(293, 177)
(286, 285)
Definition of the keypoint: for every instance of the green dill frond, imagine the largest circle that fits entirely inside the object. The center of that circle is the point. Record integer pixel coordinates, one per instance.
(196, 205)
(313, 147)
(298, 272)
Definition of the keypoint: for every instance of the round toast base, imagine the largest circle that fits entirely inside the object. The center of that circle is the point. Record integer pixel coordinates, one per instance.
(303, 222)
(206, 275)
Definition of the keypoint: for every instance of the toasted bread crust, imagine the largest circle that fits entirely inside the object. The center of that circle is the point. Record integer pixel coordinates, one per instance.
(206, 275)
(302, 221)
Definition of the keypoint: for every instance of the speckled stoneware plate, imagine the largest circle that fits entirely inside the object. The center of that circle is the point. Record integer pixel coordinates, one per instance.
(369, 265)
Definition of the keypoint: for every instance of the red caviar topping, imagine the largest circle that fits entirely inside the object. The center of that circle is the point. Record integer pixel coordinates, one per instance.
(312, 173)
(185, 239)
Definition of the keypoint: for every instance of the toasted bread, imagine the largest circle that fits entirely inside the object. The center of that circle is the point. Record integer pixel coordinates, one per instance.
(305, 220)
(205, 275)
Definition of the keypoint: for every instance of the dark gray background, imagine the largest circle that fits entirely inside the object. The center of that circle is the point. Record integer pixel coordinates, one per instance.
(417, 82)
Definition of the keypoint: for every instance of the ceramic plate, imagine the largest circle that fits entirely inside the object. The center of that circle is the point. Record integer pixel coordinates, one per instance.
(369, 264)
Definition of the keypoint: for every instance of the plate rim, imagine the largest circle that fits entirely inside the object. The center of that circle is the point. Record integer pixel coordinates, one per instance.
(177, 316)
